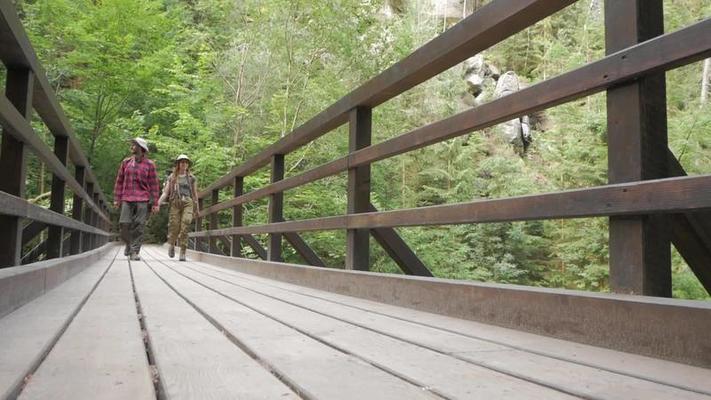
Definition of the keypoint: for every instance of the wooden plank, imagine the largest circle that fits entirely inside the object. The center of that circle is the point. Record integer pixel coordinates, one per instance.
(623, 322)
(377, 335)
(658, 54)
(398, 250)
(671, 195)
(304, 250)
(444, 376)
(664, 372)
(194, 359)
(489, 25)
(640, 251)
(314, 368)
(358, 190)
(101, 354)
(276, 209)
(31, 330)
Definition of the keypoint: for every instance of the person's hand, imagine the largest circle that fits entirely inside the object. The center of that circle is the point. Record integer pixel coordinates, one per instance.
(117, 204)
(155, 209)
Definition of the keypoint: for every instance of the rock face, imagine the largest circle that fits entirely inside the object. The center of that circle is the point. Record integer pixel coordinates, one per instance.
(480, 78)
(485, 83)
(516, 131)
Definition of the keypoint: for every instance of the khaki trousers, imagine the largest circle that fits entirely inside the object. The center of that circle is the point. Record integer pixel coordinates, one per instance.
(180, 217)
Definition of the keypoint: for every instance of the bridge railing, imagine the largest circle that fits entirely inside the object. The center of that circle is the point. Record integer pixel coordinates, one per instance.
(27, 89)
(649, 200)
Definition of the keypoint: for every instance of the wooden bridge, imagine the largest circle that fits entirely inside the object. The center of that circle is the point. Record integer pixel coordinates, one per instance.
(78, 320)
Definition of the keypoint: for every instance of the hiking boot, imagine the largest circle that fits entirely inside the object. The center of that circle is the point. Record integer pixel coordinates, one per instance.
(171, 251)
(182, 254)
(135, 257)
(126, 251)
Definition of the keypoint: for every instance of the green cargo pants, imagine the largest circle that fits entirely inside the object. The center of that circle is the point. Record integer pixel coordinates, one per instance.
(180, 217)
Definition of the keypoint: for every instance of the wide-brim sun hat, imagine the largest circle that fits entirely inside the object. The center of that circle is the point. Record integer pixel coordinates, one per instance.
(182, 157)
(141, 142)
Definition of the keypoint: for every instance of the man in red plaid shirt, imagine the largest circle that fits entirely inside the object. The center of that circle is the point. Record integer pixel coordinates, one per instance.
(136, 186)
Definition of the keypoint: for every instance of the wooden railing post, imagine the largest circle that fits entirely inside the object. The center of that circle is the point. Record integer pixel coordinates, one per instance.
(640, 250)
(86, 237)
(276, 209)
(357, 240)
(14, 166)
(237, 216)
(77, 208)
(55, 236)
(213, 222)
(95, 222)
(198, 226)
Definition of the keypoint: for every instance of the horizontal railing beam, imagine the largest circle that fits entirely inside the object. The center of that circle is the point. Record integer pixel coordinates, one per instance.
(21, 130)
(670, 195)
(486, 27)
(661, 53)
(15, 206)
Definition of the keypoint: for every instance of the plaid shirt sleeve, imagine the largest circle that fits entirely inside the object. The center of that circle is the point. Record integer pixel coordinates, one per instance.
(153, 184)
(118, 185)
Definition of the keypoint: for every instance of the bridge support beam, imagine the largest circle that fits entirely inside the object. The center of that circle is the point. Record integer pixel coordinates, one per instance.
(237, 216)
(398, 250)
(640, 250)
(276, 209)
(252, 242)
(691, 234)
(357, 240)
(13, 163)
(56, 233)
(304, 250)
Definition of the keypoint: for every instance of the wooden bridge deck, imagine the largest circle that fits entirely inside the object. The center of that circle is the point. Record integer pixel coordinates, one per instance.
(159, 328)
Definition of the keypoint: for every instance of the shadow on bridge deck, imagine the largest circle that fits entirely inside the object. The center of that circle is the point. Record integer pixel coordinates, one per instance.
(167, 329)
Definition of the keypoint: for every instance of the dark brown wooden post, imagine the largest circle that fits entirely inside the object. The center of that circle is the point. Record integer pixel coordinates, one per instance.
(213, 222)
(357, 240)
(237, 217)
(55, 235)
(86, 237)
(95, 219)
(77, 206)
(276, 209)
(14, 166)
(640, 250)
(198, 225)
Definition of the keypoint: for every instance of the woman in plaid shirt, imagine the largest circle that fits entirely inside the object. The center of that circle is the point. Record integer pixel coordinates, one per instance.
(136, 186)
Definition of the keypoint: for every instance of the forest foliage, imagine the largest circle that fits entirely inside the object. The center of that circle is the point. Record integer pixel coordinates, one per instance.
(221, 80)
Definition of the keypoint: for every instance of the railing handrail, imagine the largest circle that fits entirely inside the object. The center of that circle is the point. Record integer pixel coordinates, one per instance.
(28, 90)
(661, 53)
(13, 205)
(479, 31)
